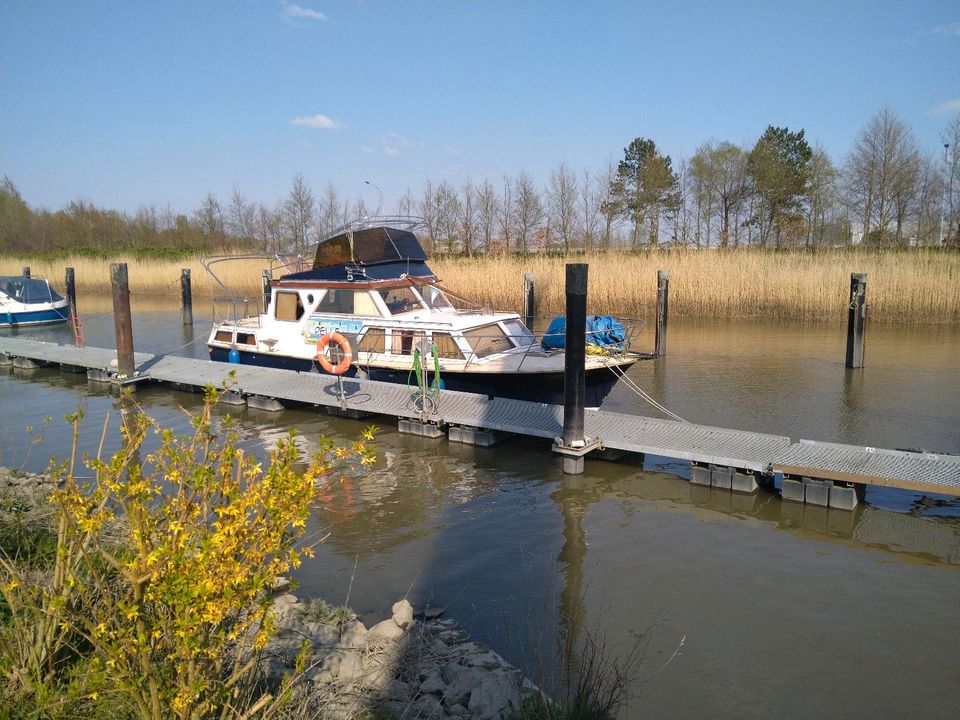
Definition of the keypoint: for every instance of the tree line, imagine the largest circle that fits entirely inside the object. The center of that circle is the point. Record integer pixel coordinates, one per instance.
(779, 192)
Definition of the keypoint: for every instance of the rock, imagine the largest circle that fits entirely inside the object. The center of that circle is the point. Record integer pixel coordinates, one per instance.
(498, 692)
(397, 690)
(351, 669)
(402, 613)
(432, 613)
(450, 671)
(386, 630)
(280, 585)
(425, 706)
(458, 711)
(463, 684)
(354, 635)
(431, 683)
(321, 633)
(487, 660)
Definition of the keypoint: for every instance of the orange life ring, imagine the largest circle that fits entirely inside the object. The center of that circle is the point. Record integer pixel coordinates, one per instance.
(345, 361)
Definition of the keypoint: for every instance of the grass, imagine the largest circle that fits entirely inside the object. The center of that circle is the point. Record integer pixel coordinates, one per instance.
(917, 286)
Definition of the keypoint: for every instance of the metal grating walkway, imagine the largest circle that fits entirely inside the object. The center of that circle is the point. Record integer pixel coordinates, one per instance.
(920, 472)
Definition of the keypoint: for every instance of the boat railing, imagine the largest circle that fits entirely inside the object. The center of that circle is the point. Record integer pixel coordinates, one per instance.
(233, 309)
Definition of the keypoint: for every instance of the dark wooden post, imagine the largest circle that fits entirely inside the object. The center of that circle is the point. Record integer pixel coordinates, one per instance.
(574, 372)
(265, 277)
(529, 300)
(26, 271)
(663, 310)
(856, 315)
(122, 324)
(186, 297)
(71, 283)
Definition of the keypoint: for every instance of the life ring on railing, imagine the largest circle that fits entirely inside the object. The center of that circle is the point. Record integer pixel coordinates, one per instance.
(345, 361)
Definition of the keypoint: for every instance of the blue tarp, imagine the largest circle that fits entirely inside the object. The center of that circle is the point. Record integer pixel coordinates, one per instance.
(602, 330)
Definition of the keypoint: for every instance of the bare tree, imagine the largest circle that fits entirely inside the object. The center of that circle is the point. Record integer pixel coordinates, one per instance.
(331, 213)
(950, 209)
(269, 228)
(878, 174)
(589, 203)
(209, 218)
(821, 196)
(240, 216)
(529, 212)
(487, 208)
(505, 214)
(406, 204)
(467, 220)
(562, 194)
(298, 212)
(613, 205)
(428, 211)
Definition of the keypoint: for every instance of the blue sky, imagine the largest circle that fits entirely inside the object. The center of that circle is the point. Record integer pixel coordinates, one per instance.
(130, 103)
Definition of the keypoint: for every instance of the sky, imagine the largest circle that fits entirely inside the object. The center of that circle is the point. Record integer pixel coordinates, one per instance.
(124, 104)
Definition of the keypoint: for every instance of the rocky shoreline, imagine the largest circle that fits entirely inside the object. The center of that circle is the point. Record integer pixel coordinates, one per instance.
(410, 665)
(406, 666)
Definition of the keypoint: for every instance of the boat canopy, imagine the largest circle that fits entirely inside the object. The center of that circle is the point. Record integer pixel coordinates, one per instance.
(373, 253)
(27, 290)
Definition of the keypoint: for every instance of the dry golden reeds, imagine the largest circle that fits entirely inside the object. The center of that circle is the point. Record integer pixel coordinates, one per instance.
(915, 286)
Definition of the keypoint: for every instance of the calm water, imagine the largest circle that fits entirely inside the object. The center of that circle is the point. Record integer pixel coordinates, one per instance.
(778, 610)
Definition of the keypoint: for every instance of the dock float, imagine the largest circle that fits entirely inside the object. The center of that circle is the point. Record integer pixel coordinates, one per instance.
(820, 473)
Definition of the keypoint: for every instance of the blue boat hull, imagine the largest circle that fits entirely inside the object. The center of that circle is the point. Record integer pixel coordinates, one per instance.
(34, 317)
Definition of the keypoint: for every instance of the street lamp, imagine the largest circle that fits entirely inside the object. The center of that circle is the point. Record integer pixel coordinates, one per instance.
(943, 198)
(380, 206)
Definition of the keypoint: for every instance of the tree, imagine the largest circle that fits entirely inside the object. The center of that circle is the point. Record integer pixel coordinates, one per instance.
(298, 213)
(506, 214)
(589, 200)
(487, 208)
(240, 216)
(528, 210)
(612, 207)
(646, 187)
(332, 213)
(209, 218)
(720, 185)
(562, 205)
(467, 220)
(950, 210)
(821, 195)
(447, 205)
(881, 174)
(779, 167)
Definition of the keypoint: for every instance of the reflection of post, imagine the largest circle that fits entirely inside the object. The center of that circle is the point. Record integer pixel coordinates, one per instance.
(186, 297)
(572, 501)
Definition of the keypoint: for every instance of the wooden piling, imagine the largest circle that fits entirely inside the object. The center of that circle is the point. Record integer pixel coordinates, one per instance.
(70, 281)
(529, 300)
(186, 297)
(663, 309)
(123, 325)
(26, 271)
(856, 316)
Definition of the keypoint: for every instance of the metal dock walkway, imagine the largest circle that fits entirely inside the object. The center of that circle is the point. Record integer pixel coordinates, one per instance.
(822, 473)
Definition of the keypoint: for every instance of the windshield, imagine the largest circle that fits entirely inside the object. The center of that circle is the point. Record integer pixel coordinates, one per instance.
(435, 298)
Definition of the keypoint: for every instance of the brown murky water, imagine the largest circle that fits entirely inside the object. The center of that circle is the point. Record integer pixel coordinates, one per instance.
(748, 607)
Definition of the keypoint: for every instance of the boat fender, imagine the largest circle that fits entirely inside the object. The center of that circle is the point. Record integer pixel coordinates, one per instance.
(233, 356)
(345, 361)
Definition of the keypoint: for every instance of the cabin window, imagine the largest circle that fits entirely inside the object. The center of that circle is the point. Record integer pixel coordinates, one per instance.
(363, 304)
(447, 346)
(223, 336)
(403, 341)
(374, 340)
(487, 340)
(246, 339)
(435, 298)
(336, 301)
(289, 307)
(519, 333)
(400, 300)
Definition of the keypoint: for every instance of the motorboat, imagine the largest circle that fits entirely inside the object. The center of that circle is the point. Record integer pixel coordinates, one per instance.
(370, 306)
(30, 301)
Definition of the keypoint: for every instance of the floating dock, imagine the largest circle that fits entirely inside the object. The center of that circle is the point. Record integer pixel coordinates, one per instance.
(827, 474)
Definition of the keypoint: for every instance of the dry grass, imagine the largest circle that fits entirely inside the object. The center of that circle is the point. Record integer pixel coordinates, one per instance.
(919, 286)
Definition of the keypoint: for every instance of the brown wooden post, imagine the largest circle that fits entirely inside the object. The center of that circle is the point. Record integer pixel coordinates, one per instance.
(26, 271)
(265, 278)
(856, 316)
(663, 311)
(71, 283)
(575, 353)
(122, 323)
(186, 297)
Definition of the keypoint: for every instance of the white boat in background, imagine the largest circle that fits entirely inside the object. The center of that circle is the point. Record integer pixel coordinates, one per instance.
(30, 301)
(371, 306)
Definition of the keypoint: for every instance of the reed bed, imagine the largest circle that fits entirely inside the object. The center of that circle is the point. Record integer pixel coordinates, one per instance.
(916, 286)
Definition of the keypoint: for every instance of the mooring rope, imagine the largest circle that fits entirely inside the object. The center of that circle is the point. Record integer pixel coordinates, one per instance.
(630, 383)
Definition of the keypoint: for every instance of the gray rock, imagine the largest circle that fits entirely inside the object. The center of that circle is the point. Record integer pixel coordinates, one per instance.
(351, 668)
(321, 633)
(431, 683)
(432, 613)
(386, 630)
(498, 692)
(426, 707)
(450, 671)
(487, 660)
(280, 585)
(440, 648)
(354, 635)
(458, 711)
(397, 690)
(402, 613)
(463, 684)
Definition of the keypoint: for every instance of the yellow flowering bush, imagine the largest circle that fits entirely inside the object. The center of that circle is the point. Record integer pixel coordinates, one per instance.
(172, 615)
